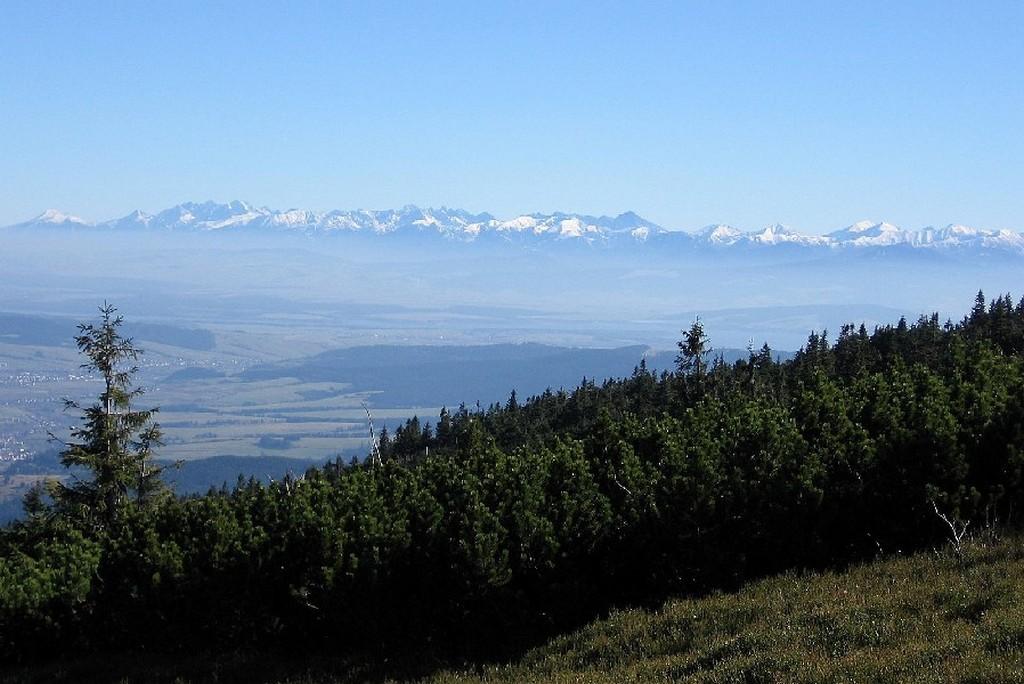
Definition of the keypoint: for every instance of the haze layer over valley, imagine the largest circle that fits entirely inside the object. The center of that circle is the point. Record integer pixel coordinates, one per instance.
(451, 276)
(266, 331)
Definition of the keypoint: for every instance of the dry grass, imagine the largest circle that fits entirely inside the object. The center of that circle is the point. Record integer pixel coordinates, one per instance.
(927, 618)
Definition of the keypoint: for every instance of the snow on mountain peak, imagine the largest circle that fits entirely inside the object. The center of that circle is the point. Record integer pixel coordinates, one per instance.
(959, 229)
(56, 216)
(774, 233)
(861, 226)
(720, 234)
(641, 233)
(958, 235)
(571, 227)
(869, 233)
(457, 224)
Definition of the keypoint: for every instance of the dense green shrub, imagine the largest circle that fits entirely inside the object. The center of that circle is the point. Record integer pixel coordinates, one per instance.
(506, 523)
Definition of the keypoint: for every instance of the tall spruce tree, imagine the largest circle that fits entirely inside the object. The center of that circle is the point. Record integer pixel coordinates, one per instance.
(691, 360)
(694, 349)
(114, 442)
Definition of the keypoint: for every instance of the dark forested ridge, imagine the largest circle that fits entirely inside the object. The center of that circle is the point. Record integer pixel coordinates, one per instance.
(16, 328)
(411, 375)
(489, 528)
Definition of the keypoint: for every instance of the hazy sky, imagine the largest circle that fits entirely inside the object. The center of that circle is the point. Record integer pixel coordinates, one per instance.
(812, 114)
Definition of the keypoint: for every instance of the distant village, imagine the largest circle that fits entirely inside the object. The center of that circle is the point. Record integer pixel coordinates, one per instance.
(13, 449)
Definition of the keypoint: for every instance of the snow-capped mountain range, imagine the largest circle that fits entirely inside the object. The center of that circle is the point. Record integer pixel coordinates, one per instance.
(462, 225)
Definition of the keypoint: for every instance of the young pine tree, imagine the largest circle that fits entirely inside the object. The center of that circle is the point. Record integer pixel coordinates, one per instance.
(114, 442)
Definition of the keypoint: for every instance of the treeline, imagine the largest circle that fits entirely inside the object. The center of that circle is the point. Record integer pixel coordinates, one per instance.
(495, 526)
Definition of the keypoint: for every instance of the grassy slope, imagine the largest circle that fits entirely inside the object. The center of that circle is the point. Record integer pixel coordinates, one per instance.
(926, 618)
(929, 618)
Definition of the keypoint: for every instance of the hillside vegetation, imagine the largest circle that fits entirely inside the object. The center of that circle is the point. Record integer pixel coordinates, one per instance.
(476, 538)
(932, 617)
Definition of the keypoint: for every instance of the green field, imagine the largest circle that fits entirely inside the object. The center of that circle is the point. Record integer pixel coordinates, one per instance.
(201, 418)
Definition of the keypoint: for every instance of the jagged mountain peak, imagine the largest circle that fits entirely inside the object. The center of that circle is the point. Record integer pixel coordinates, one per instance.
(719, 233)
(867, 225)
(870, 233)
(774, 234)
(458, 224)
(776, 230)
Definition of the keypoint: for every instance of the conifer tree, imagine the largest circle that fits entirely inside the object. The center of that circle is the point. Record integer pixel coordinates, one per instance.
(694, 349)
(445, 430)
(114, 442)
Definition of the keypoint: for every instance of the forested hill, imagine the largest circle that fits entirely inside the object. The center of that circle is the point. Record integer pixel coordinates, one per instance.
(488, 529)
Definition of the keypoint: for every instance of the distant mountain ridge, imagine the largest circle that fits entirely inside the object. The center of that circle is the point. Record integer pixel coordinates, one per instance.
(458, 224)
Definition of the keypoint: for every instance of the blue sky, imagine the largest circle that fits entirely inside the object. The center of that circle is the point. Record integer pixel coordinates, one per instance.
(812, 114)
